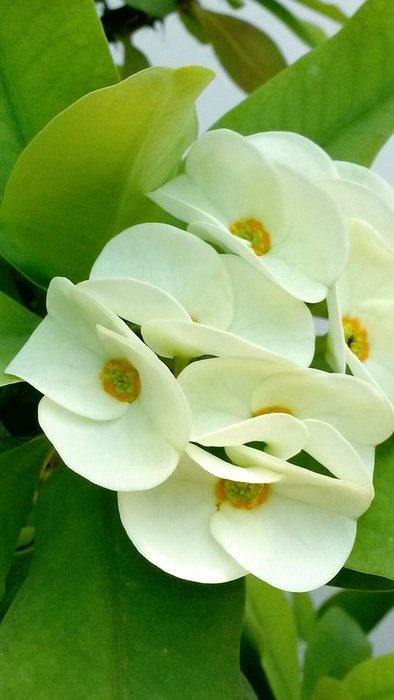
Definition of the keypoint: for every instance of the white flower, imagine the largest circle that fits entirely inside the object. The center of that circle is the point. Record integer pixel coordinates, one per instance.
(268, 213)
(361, 311)
(224, 513)
(191, 301)
(113, 411)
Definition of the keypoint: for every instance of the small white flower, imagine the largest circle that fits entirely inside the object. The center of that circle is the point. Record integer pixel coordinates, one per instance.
(113, 411)
(191, 301)
(268, 213)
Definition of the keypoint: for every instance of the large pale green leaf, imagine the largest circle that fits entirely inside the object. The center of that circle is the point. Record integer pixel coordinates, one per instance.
(249, 55)
(373, 679)
(270, 619)
(95, 621)
(341, 95)
(374, 549)
(331, 689)
(19, 471)
(52, 53)
(337, 644)
(83, 178)
(16, 325)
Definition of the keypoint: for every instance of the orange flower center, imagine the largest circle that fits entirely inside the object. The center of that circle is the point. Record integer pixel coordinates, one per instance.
(254, 231)
(241, 494)
(272, 409)
(121, 380)
(356, 337)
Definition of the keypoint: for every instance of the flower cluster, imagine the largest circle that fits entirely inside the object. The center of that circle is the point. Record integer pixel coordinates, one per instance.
(179, 373)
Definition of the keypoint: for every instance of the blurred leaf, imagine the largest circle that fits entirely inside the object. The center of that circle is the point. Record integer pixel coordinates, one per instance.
(155, 8)
(249, 56)
(134, 59)
(95, 621)
(372, 679)
(82, 180)
(366, 607)
(51, 54)
(309, 33)
(357, 581)
(17, 574)
(19, 471)
(337, 644)
(339, 95)
(326, 9)
(331, 689)
(373, 552)
(304, 613)
(16, 326)
(271, 620)
(192, 24)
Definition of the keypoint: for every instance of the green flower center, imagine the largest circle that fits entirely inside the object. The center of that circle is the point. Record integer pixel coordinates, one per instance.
(121, 380)
(241, 494)
(356, 337)
(252, 230)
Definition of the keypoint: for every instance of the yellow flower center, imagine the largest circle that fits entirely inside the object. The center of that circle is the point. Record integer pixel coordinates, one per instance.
(272, 409)
(241, 494)
(254, 231)
(121, 380)
(356, 337)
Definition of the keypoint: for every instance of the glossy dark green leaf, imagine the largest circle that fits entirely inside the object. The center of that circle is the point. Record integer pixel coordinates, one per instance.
(339, 95)
(374, 548)
(367, 607)
(16, 325)
(356, 581)
(19, 471)
(249, 56)
(51, 54)
(337, 644)
(271, 621)
(83, 178)
(95, 621)
(373, 679)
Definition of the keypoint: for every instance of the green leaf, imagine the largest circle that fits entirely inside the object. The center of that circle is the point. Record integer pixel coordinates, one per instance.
(339, 95)
(306, 31)
(357, 581)
(270, 619)
(366, 607)
(51, 54)
(373, 552)
(82, 180)
(373, 679)
(16, 325)
(337, 644)
(304, 613)
(156, 8)
(331, 689)
(249, 56)
(19, 471)
(95, 621)
(134, 59)
(326, 9)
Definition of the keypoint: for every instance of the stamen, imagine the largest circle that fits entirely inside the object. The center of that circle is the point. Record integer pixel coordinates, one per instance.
(356, 337)
(254, 231)
(241, 494)
(121, 380)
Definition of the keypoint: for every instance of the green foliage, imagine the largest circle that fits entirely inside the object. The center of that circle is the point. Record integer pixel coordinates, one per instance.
(309, 33)
(330, 688)
(270, 620)
(134, 59)
(95, 621)
(83, 178)
(249, 55)
(373, 552)
(305, 614)
(16, 325)
(337, 644)
(51, 54)
(20, 468)
(366, 607)
(325, 8)
(156, 8)
(373, 679)
(340, 95)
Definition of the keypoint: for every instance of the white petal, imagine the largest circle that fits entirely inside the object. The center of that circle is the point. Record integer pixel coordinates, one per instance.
(295, 151)
(169, 525)
(291, 545)
(224, 470)
(134, 300)
(368, 178)
(128, 453)
(176, 262)
(335, 339)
